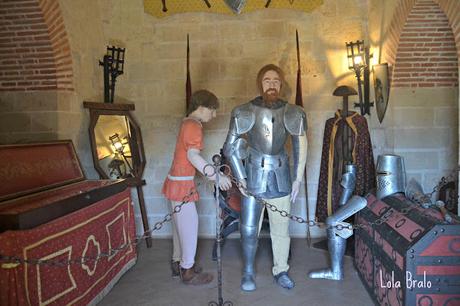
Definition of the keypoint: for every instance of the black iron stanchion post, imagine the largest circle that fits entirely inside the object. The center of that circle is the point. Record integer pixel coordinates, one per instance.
(216, 159)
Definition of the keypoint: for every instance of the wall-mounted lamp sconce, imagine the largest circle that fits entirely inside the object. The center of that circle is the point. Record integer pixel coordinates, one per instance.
(358, 60)
(113, 63)
(119, 147)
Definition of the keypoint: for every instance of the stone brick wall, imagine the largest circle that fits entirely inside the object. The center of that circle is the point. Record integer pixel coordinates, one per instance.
(421, 122)
(398, 15)
(59, 42)
(452, 10)
(422, 126)
(34, 47)
(42, 115)
(426, 56)
(226, 53)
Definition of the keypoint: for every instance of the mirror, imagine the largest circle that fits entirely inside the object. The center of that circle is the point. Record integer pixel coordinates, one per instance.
(117, 148)
(114, 152)
(113, 146)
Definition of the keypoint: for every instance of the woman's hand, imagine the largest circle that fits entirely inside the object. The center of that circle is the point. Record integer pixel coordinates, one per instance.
(224, 182)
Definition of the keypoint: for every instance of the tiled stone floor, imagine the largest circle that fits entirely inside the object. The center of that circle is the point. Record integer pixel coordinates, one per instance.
(149, 281)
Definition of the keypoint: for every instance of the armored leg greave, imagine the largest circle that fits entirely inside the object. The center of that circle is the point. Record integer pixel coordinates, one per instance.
(336, 245)
(348, 184)
(337, 238)
(337, 242)
(250, 216)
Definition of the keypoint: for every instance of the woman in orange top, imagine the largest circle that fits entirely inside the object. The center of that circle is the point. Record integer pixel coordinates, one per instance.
(179, 186)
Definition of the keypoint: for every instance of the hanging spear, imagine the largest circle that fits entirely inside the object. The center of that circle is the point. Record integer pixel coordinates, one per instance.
(188, 84)
(299, 102)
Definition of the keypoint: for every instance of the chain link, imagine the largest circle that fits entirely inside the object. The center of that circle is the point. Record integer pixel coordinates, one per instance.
(452, 177)
(15, 260)
(310, 223)
(425, 200)
(273, 207)
(168, 217)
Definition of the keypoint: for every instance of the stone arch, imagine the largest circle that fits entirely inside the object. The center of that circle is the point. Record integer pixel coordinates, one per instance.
(426, 54)
(34, 48)
(444, 82)
(59, 42)
(390, 45)
(452, 10)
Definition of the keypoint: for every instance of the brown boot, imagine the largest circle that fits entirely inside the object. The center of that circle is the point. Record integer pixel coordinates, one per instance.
(197, 268)
(191, 277)
(175, 268)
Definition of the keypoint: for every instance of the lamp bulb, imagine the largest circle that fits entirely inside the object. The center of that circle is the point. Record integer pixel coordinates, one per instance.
(118, 146)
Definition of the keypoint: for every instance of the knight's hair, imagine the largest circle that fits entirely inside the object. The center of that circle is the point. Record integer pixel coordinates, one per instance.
(263, 70)
(202, 98)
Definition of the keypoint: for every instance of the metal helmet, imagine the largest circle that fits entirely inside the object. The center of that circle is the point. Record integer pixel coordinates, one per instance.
(391, 175)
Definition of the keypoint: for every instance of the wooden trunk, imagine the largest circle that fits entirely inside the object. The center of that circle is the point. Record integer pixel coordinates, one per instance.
(410, 259)
(51, 218)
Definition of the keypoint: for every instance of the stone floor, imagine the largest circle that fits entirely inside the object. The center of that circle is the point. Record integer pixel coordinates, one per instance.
(149, 281)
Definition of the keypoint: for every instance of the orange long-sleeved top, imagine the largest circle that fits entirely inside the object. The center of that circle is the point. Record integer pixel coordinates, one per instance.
(179, 181)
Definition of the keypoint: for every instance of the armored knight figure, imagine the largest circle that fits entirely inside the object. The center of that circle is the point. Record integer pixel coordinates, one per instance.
(255, 147)
(391, 179)
(337, 230)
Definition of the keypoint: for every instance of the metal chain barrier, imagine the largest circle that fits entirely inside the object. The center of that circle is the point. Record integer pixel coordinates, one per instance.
(425, 201)
(443, 181)
(15, 260)
(5, 259)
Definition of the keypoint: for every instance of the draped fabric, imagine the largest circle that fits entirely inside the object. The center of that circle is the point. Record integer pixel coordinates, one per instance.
(329, 189)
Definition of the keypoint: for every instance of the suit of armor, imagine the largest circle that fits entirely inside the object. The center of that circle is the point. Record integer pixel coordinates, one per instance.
(255, 148)
(337, 239)
(391, 179)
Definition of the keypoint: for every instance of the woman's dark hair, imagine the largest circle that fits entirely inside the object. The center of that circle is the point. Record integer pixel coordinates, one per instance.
(202, 98)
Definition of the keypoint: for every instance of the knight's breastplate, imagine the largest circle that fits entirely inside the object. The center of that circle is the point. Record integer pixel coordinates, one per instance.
(268, 135)
(267, 166)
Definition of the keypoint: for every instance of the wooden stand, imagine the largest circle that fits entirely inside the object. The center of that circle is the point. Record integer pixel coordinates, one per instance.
(136, 146)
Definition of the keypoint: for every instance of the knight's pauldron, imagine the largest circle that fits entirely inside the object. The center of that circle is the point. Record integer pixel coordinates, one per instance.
(295, 120)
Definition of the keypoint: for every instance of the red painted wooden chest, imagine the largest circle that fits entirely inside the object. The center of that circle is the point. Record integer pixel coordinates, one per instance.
(50, 212)
(44, 181)
(412, 258)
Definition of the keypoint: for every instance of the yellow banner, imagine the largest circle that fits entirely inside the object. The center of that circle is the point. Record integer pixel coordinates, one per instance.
(155, 7)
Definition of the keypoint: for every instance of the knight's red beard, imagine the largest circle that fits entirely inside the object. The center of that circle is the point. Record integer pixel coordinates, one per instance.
(270, 95)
